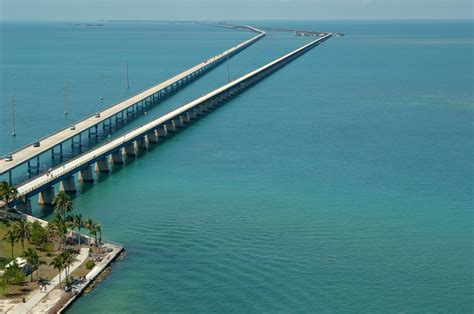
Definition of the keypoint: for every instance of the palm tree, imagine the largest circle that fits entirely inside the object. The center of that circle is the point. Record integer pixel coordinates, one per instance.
(58, 264)
(33, 259)
(78, 223)
(11, 238)
(89, 223)
(8, 193)
(94, 229)
(68, 259)
(62, 203)
(58, 228)
(22, 231)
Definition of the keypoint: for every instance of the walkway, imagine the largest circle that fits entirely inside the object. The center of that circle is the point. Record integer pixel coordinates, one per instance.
(36, 297)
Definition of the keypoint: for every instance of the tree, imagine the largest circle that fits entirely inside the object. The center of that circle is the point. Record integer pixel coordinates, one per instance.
(38, 233)
(33, 259)
(89, 224)
(11, 238)
(13, 274)
(58, 264)
(57, 228)
(8, 193)
(62, 203)
(68, 259)
(78, 224)
(22, 231)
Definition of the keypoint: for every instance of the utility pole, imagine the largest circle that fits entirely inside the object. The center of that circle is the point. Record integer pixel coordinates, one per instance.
(126, 77)
(101, 88)
(228, 70)
(13, 116)
(65, 98)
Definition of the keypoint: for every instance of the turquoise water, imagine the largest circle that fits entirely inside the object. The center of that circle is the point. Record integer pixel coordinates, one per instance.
(343, 182)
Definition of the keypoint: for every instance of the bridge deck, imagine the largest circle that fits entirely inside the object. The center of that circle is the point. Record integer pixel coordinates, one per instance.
(35, 185)
(29, 152)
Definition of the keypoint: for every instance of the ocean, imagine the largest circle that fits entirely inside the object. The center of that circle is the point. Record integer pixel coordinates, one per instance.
(342, 182)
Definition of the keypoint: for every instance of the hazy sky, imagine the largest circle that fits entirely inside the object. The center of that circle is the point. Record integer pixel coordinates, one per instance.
(234, 9)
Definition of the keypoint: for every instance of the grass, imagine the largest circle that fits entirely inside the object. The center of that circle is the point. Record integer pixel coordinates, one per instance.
(45, 271)
(5, 247)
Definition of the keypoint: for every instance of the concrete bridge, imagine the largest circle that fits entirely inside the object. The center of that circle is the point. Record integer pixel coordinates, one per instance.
(128, 145)
(116, 113)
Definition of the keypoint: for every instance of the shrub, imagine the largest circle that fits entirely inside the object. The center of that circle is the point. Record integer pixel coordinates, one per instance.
(90, 264)
(48, 247)
(38, 233)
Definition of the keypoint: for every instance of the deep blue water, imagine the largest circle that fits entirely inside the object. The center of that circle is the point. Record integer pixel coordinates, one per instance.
(343, 182)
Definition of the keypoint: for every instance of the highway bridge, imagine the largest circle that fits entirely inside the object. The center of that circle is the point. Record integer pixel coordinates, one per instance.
(30, 154)
(128, 145)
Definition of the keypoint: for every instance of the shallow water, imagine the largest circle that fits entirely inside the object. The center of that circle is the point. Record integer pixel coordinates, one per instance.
(342, 182)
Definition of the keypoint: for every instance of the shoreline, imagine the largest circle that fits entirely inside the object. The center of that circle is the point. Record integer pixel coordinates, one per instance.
(57, 300)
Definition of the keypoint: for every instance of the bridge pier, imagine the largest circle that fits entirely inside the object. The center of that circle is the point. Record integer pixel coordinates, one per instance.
(152, 137)
(141, 143)
(68, 185)
(171, 126)
(192, 115)
(46, 197)
(116, 157)
(185, 118)
(162, 131)
(178, 122)
(102, 165)
(130, 149)
(198, 111)
(85, 175)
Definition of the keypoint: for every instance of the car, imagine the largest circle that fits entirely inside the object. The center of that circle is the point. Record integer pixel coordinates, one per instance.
(97, 115)
(9, 158)
(36, 144)
(72, 127)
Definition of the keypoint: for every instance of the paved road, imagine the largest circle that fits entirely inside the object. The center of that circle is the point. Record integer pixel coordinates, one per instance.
(37, 296)
(28, 152)
(73, 164)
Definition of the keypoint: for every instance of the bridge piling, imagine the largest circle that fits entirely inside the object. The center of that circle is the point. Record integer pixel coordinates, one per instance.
(46, 196)
(68, 185)
(117, 157)
(152, 137)
(130, 150)
(102, 165)
(85, 175)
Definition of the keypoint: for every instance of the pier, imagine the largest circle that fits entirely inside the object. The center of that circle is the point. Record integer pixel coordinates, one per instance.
(128, 145)
(89, 127)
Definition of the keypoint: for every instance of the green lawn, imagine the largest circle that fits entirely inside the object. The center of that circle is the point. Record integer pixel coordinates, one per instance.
(5, 247)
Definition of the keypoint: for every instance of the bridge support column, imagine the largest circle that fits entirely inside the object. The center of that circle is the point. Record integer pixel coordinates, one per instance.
(204, 107)
(152, 137)
(68, 185)
(24, 206)
(162, 131)
(141, 143)
(85, 175)
(130, 149)
(178, 122)
(116, 157)
(46, 197)
(198, 111)
(186, 118)
(192, 115)
(102, 165)
(170, 126)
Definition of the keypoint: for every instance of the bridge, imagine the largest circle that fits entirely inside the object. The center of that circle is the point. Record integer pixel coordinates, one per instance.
(141, 138)
(115, 113)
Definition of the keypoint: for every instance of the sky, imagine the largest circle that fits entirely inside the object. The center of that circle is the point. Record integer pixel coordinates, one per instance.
(81, 10)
